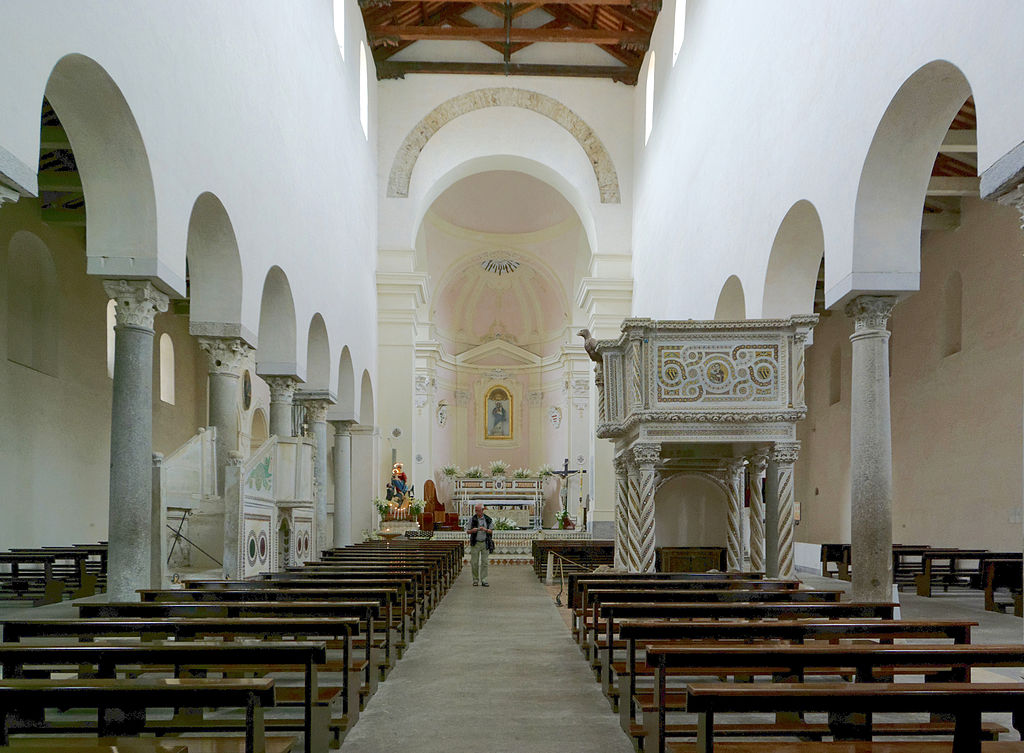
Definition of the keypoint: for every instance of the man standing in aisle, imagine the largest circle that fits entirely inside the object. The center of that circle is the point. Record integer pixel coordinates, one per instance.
(481, 544)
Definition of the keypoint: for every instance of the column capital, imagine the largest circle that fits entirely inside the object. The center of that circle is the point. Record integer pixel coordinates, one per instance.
(733, 466)
(870, 313)
(138, 302)
(785, 452)
(646, 453)
(316, 410)
(225, 355)
(621, 463)
(342, 427)
(282, 388)
(8, 195)
(236, 458)
(758, 462)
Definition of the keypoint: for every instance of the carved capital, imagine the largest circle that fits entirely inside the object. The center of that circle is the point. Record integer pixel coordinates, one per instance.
(226, 355)
(282, 388)
(235, 458)
(733, 467)
(646, 454)
(785, 452)
(870, 312)
(8, 195)
(758, 463)
(621, 463)
(138, 302)
(316, 411)
(342, 428)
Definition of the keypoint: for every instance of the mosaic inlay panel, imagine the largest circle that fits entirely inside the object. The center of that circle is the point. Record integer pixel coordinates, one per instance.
(717, 373)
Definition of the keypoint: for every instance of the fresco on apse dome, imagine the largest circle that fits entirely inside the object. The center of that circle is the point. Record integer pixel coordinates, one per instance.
(498, 414)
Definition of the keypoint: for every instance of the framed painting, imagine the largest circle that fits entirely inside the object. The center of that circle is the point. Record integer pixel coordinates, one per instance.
(498, 414)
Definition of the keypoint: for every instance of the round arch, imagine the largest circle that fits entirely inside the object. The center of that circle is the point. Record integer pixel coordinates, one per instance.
(346, 384)
(277, 335)
(894, 179)
(113, 164)
(408, 153)
(514, 163)
(366, 408)
(318, 355)
(793, 264)
(215, 268)
(732, 305)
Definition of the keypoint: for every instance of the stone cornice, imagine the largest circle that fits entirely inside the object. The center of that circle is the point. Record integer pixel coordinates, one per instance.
(610, 430)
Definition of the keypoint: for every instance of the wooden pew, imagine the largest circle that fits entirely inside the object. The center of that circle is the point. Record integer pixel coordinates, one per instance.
(100, 745)
(429, 573)
(391, 599)
(37, 581)
(340, 629)
(365, 611)
(794, 661)
(638, 631)
(575, 579)
(605, 609)
(964, 701)
(953, 573)
(839, 555)
(581, 603)
(19, 660)
(998, 573)
(422, 591)
(122, 704)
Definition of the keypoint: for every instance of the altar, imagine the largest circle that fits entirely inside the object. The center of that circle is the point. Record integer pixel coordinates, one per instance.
(520, 500)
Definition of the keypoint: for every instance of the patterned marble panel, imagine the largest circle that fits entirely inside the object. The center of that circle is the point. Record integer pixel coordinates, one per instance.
(716, 373)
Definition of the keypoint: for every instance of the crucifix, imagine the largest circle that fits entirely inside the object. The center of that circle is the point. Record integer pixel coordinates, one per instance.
(565, 473)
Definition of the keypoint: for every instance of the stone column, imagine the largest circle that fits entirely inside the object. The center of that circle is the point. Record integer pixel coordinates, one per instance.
(226, 357)
(282, 391)
(632, 513)
(871, 449)
(734, 492)
(342, 483)
(756, 465)
(130, 532)
(233, 557)
(621, 513)
(779, 506)
(645, 456)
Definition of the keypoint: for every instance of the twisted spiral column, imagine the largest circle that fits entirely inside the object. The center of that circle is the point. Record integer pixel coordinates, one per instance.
(621, 513)
(632, 516)
(783, 456)
(645, 456)
(756, 465)
(734, 491)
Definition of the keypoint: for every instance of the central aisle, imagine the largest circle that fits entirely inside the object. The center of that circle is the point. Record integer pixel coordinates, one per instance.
(494, 670)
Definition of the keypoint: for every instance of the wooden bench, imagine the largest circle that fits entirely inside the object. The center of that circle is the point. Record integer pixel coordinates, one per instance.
(429, 577)
(838, 555)
(122, 704)
(575, 580)
(340, 629)
(790, 631)
(19, 660)
(999, 573)
(96, 745)
(965, 702)
(953, 573)
(391, 599)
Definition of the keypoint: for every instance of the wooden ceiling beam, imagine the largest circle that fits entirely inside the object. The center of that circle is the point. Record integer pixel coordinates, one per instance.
(381, 35)
(399, 69)
(568, 17)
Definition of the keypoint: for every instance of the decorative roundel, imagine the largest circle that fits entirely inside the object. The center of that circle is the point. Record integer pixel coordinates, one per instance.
(251, 547)
(263, 546)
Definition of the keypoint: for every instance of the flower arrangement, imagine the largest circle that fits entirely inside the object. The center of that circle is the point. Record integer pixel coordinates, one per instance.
(415, 507)
(451, 470)
(474, 471)
(522, 473)
(383, 507)
(499, 467)
(564, 521)
(505, 524)
(545, 470)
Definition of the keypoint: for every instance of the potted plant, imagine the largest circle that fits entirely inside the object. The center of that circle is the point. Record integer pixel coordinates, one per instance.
(505, 524)
(451, 470)
(499, 467)
(383, 508)
(415, 507)
(474, 471)
(564, 521)
(522, 473)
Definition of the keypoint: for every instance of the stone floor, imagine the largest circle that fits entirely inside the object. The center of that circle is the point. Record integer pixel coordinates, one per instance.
(494, 669)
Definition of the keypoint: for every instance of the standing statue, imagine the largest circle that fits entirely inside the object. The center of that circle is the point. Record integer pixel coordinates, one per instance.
(398, 487)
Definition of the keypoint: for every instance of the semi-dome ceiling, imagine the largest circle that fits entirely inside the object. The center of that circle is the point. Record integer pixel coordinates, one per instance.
(502, 201)
(500, 295)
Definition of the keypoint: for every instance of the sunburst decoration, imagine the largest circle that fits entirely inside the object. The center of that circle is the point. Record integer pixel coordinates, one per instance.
(500, 266)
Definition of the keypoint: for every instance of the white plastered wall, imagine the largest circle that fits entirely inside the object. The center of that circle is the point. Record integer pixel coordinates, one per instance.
(771, 103)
